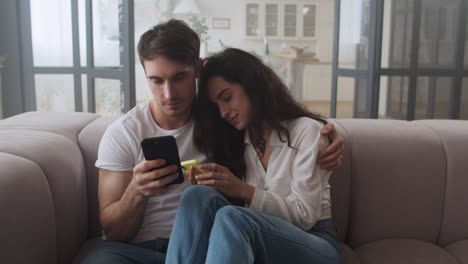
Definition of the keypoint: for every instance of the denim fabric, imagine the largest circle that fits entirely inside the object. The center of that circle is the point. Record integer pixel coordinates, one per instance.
(107, 251)
(207, 229)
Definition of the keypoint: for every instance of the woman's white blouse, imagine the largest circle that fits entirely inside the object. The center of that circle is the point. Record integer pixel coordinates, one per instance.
(293, 188)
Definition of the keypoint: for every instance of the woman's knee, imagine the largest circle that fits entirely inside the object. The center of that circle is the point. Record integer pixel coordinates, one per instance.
(230, 215)
(197, 193)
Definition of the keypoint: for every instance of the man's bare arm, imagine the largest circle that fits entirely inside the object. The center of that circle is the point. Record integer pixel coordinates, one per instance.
(121, 207)
(123, 196)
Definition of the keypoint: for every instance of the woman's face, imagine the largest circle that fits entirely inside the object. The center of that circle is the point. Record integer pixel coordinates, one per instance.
(233, 103)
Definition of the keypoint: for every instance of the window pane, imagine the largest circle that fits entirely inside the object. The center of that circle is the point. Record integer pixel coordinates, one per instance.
(252, 20)
(271, 20)
(317, 87)
(309, 20)
(347, 100)
(51, 34)
(443, 87)
(290, 12)
(422, 94)
(466, 37)
(354, 34)
(432, 97)
(396, 34)
(108, 97)
(82, 31)
(464, 100)
(393, 97)
(84, 92)
(1, 100)
(106, 33)
(54, 92)
(439, 24)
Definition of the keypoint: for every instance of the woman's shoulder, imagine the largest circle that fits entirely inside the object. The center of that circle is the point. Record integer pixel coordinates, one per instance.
(304, 125)
(305, 132)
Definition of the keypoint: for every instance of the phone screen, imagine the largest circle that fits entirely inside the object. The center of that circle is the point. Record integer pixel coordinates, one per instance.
(164, 147)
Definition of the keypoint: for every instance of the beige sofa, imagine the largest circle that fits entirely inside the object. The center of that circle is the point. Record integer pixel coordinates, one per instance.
(399, 197)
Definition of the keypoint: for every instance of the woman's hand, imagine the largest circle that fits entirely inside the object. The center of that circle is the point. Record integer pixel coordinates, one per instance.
(222, 179)
(191, 175)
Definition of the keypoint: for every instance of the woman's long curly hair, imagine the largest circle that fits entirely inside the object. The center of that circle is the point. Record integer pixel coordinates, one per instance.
(271, 104)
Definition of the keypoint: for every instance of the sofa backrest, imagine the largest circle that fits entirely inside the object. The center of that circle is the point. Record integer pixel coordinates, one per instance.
(453, 135)
(401, 183)
(398, 179)
(89, 139)
(44, 168)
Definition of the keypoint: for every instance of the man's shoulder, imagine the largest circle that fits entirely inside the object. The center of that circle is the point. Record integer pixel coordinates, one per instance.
(135, 116)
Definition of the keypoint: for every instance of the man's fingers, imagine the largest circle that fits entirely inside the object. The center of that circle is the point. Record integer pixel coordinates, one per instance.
(158, 173)
(327, 129)
(330, 165)
(335, 146)
(333, 156)
(148, 165)
(161, 182)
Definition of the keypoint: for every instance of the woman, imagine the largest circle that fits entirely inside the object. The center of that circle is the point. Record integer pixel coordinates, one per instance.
(269, 170)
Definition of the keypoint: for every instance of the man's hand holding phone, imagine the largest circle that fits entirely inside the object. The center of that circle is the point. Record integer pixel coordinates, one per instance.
(152, 177)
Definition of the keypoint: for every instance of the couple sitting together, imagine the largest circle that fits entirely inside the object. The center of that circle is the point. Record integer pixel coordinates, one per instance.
(264, 195)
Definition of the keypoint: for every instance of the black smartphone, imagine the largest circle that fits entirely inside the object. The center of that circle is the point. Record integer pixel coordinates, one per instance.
(164, 147)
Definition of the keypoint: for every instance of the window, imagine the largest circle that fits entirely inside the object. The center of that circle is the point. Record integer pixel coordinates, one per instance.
(431, 26)
(252, 20)
(281, 21)
(271, 20)
(290, 20)
(309, 20)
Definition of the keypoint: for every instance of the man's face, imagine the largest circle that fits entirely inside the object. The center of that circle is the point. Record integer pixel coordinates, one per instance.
(172, 85)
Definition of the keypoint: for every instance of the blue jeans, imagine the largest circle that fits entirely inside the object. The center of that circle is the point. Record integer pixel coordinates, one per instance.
(207, 229)
(107, 251)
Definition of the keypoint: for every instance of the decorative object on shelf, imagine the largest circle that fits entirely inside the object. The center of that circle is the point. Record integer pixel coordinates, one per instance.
(267, 47)
(221, 23)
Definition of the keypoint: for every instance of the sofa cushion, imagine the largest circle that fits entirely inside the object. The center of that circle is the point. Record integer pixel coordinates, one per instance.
(89, 139)
(454, 136)
(398, 181)
(68, 124)
(459, 250)
(398, 251)
(61, 161)
(27, 213)
(348, 256)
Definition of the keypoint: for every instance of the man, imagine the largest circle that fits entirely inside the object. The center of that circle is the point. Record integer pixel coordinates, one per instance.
(137, 206)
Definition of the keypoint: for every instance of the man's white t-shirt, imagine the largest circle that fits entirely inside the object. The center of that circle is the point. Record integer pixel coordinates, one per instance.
(120, 150)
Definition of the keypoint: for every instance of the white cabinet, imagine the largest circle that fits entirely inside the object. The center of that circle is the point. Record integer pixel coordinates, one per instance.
(280, 20)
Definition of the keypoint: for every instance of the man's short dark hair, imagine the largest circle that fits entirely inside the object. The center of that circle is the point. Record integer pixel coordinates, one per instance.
(173, 39)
